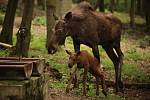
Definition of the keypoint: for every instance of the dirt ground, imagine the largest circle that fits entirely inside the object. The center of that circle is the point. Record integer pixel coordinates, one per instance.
(129, 94)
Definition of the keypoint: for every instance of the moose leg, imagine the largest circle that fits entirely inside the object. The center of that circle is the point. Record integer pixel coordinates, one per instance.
(111, 54)
(121, 56)
(119, 52)
(96, 52)
(76, 48)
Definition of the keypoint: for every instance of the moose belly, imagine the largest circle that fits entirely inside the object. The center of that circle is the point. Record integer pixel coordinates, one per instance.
(88, 42)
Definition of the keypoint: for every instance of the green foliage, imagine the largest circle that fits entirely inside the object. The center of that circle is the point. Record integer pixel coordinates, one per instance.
(39, 20)
(125, 18)
(2, 8)
(135, 54)
(4, 53)
(134, 73)
(144, 42)
(1, 18)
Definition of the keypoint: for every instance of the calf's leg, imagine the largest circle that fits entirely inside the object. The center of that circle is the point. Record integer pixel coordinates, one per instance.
(84, 82)
(97, 86)
(99, 76)
(70, 80)
(103, 85)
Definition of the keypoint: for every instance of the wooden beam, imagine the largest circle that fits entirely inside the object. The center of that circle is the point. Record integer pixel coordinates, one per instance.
(15, 71)
(38, 63)
(6, 45)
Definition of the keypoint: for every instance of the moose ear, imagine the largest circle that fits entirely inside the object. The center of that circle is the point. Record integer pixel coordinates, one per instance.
(68, 16)
(78, 52)
(91, 8)
(55, 16)
(68, 52)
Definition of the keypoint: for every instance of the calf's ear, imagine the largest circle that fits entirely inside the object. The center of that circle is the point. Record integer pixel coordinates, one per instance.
(55, 17)
(78, 52)
(68, 52)
(68, 16)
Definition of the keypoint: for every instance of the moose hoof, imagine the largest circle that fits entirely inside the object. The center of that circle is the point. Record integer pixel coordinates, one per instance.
(67, 90)
(97, 93)
(104, 92)
(121, 86)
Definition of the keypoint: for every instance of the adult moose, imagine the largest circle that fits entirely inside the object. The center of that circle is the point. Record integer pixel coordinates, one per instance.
(91, 28)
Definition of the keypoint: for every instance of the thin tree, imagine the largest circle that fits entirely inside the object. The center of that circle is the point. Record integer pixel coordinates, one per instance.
(112, 5)
(132, 14)
(26, 24)
(139, 7)
(101, 5)
(126, 4)
(146, 6)
(7, 29)
(50, 12)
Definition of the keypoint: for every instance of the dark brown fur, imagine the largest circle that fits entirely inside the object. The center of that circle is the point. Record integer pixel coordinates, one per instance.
(91, 28)
(90, 64)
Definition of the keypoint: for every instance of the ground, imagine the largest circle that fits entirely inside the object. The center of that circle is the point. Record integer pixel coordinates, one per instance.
(129, 94)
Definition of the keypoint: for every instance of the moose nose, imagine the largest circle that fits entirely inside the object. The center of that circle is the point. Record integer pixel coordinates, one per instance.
(69, 65)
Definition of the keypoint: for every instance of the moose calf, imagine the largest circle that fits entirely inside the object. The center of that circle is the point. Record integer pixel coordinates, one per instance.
(90, 64)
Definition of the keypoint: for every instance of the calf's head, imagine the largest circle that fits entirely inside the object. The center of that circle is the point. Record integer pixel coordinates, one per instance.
(73, 58)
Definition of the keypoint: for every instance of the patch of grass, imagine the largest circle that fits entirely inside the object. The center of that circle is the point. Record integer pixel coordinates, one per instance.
(4, 53)
(125, 18)
(38, 42)
(134, 54)
(39, 21)
(57, 84)
(134, 73)
(1, 18)
(144, 42)
(108, 64)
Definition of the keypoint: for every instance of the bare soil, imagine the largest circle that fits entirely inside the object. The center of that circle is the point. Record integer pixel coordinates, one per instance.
(129, 94)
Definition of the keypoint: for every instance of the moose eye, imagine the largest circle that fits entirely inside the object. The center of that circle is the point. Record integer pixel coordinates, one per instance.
(58, 32)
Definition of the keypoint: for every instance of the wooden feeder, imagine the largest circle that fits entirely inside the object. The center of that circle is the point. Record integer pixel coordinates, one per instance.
(11, 67)
(38, 63)
(17, 71)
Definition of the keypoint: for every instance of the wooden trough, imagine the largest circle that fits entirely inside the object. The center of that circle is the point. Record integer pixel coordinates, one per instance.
(15, 68)
(23, 79)
(15, 71)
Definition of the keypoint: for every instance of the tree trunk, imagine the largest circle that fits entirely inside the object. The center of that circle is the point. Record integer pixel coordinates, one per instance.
(126, 4)
(50, 11)
(139, 7)
(7, 30)
(41, 3)
(146, 5)
(117, 2)
(132, 14)
(101, 5)
(22, 45)
(112, 6)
